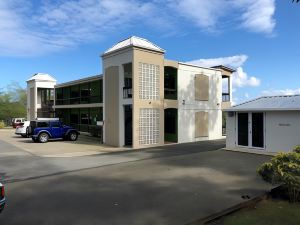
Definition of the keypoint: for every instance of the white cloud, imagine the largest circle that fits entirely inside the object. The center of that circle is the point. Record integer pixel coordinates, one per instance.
(232, 61)
(255, 16)
(31, 28)
(258, 15)
(55, 25)
(281, 92)
(239, 78)
(204, 14)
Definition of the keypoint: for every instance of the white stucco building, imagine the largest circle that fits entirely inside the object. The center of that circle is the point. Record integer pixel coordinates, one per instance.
(266, 124)
(144, 99)
(40, 96)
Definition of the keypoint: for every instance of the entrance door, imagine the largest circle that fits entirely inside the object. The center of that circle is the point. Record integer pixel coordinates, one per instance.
(243, 129)
(258, 130)
(128, 124)
(250, 132)
(171, 125)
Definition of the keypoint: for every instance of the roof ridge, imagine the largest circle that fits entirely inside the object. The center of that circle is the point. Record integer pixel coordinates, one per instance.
(243, 103)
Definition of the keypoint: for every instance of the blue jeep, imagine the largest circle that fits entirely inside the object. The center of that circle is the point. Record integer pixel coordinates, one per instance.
(43, 130)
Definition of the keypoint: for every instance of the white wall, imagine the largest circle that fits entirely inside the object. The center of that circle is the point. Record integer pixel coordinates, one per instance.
(230, 131)
(282, 130)
(186, 112)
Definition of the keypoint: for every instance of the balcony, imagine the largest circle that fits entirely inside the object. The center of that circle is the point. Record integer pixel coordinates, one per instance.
(225, 97)
(127, 92)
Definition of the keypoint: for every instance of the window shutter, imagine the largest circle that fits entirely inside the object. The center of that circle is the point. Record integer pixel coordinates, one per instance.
(201, 87)
(201, 124)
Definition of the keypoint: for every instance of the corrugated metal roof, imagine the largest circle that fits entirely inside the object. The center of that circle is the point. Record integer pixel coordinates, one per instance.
(42, 77)
(134, 41)
(270, 103)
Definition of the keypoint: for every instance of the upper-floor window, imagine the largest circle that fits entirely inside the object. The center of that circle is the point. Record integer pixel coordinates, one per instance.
(85, 93)
(148, 81)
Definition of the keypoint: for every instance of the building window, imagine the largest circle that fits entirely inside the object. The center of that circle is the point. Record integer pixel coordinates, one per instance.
(148, 81)
(149, 126)
(85, 93)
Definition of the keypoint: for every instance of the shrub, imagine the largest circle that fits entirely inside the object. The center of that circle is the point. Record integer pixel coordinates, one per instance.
(2, 125)
(284, 168)
(297, 149)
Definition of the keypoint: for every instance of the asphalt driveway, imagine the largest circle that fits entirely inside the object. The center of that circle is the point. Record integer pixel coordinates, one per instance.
(167, 185)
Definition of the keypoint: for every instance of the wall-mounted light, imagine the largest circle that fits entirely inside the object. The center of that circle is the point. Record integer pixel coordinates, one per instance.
(183, 102)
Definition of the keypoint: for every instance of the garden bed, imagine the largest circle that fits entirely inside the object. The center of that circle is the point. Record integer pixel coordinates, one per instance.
(269, 211)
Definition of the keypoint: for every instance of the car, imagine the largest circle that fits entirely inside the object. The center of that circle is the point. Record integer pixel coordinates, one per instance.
(43, 130)
(17, 121)
(22, 129)
(2, 198)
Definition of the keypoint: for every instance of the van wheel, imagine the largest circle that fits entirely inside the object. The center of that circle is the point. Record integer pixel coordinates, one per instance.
(43, 137)
(73, 136)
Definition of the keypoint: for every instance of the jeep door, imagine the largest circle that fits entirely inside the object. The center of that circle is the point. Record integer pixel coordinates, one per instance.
(56, 129)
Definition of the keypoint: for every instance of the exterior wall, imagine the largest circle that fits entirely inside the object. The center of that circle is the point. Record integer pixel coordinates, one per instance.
(230, 131)
(116, 59)
(144, 56)
(188, 106)
(112, 106)
(282, 130)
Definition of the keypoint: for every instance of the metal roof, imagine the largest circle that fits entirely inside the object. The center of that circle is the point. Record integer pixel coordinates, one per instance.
(80, 81)
(42, 77)
(269, 103)
(136, 42)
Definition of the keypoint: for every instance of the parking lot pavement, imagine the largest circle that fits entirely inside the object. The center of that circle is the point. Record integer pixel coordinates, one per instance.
(18, 164)
(57, 148)
(169, 189)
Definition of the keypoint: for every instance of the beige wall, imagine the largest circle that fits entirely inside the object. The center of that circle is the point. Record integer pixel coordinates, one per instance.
(145, 56)
(112, 105)
(32, 104)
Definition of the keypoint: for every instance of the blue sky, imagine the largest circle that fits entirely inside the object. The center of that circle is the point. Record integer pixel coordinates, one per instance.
(65, 38)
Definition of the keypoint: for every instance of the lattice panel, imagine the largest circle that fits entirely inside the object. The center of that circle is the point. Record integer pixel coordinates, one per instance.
(149, 126)
(148, 81)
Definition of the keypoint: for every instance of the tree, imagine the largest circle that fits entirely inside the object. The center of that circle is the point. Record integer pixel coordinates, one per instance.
(12, 102)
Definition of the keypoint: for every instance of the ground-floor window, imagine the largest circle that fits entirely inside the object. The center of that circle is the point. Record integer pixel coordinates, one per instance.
(83, 119)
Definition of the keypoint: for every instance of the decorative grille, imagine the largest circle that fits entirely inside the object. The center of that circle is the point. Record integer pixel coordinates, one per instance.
(148, 81)
(149, 126)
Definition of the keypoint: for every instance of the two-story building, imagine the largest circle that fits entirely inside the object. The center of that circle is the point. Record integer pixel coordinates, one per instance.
(143, 100)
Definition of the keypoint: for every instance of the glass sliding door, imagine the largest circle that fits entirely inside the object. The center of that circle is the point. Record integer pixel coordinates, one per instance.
(250, 130)
(243, 129)
(258, 130)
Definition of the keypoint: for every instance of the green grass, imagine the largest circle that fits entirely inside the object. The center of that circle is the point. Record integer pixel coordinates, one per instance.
(268, 212)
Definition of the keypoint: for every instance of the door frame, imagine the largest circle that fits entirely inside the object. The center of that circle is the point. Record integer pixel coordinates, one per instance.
(250, 131)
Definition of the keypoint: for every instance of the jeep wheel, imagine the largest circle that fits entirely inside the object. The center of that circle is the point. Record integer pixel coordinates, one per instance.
(43, 137)
(73, 136)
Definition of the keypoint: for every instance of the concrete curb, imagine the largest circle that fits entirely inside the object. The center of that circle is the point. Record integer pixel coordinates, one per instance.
(256, 152)
(230, 210)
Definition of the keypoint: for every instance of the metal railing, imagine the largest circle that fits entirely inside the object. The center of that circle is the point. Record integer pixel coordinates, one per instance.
(127, 92)
(225, 97)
